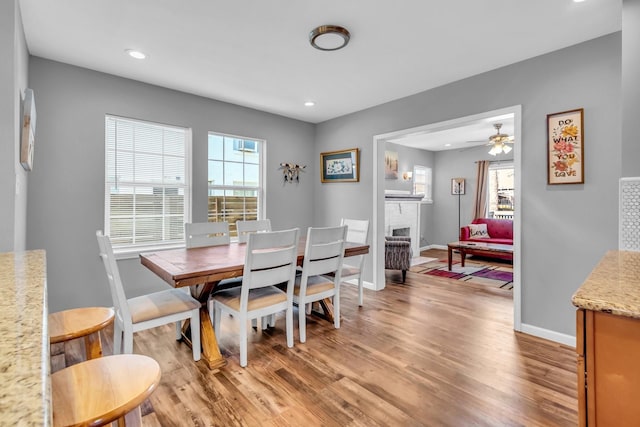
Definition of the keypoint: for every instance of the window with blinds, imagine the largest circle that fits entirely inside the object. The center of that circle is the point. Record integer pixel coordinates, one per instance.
(147, 185)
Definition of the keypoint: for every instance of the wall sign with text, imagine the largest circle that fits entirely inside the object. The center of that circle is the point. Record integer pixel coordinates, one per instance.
(565, 148)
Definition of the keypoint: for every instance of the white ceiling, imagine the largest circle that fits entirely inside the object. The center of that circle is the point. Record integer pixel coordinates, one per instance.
(461, 135)
(256, 53)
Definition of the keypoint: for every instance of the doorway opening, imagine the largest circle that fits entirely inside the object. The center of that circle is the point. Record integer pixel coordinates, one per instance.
(440, 190)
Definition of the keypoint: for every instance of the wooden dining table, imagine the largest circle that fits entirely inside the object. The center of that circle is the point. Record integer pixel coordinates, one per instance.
(202, 269)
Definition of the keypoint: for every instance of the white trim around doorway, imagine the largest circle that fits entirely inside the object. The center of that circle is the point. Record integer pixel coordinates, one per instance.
(378, 198)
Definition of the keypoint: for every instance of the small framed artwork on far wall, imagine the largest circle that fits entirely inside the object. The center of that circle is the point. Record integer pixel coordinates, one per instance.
(340, 166)
(457, 186)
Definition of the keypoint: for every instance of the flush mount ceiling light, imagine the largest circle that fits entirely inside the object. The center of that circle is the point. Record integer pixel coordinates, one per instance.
(329, 37)
(135, 54)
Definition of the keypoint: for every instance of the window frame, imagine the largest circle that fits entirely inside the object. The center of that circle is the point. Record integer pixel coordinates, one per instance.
(260, 189)
(428, 194)
(133, 250)
(502, 164)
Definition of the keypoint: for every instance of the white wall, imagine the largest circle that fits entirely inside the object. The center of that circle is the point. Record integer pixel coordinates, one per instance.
(630, 87)
(456, 164)
(66, 195)
(565, 229)
(13, 81)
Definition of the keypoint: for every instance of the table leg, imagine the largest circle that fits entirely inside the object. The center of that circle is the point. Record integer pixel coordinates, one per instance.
(463, 255)
(210, 350)
(327, 307)
(450, 256)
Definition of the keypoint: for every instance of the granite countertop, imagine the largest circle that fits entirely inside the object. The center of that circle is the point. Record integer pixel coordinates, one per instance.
(613, 286)
(25, 395)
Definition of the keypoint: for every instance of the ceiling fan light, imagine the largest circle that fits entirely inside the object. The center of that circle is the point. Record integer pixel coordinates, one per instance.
(494, 150)
(506, 148)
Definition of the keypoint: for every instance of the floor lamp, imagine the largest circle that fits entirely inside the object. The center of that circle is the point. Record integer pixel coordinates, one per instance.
(457, 188)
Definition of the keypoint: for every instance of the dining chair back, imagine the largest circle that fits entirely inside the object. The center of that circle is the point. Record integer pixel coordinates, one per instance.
(323, 255)
(357, 232)
(199, 234)
(146, 311)
(245, 228)
(270, 260)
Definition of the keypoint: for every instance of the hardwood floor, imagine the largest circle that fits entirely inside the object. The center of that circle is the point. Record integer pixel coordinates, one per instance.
(430, 352)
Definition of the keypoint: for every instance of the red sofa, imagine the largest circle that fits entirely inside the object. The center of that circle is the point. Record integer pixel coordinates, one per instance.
(500, 231)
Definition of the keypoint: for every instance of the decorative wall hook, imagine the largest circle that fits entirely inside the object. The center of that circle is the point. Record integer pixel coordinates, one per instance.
(291, 171)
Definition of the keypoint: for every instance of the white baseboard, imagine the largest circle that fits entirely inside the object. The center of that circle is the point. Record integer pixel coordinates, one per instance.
(549, 335)
(444, 247)
(365, 284)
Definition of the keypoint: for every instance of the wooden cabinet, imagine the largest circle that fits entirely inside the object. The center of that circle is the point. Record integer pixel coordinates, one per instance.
(608, 348)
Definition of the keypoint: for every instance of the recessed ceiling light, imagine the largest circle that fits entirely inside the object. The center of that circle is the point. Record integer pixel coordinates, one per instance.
(135, 54)
(578, 1)
(447, 145)
(329, 37)
(309, 104)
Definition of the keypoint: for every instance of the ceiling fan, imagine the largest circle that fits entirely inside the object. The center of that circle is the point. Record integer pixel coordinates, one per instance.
(499, 141)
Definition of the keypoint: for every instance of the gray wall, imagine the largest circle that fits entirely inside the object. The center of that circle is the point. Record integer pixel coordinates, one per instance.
(407, 158)
(565, 229)
(456, 164)
(630, 87)
(13, 81)
(66, 195)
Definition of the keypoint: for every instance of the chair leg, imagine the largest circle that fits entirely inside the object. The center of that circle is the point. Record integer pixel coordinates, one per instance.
(360, 291)
(195, 333)
(178, 331)
(243, 341)
(117, 338)
(404, 275)
(210, 307)
(302, 320)
(336, 309)
(128, 340)
(217, 317)
(289, 326)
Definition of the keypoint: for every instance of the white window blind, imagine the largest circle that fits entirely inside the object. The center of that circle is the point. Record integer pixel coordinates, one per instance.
(147, 188)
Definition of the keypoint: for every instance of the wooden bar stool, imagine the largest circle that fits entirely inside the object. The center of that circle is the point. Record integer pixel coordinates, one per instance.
(81, 322)
(103, 390)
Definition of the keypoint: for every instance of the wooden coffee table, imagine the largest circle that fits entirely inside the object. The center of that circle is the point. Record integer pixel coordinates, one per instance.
(476, 248)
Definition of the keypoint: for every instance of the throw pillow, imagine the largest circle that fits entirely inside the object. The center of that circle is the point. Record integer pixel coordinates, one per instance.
(478, 231)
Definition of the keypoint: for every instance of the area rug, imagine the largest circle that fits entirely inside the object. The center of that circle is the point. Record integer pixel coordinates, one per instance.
(497, 276)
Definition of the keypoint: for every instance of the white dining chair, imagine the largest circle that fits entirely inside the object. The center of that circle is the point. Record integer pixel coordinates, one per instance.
(146, 311)
(199, 234)
(323, 254)
(270, 260)
(357, 232)
(245, 228)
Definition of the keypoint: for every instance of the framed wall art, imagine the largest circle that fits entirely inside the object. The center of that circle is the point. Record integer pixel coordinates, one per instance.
(340, 166)
(27, 139)
(390, 165)
(565, 148)
(457, 186)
